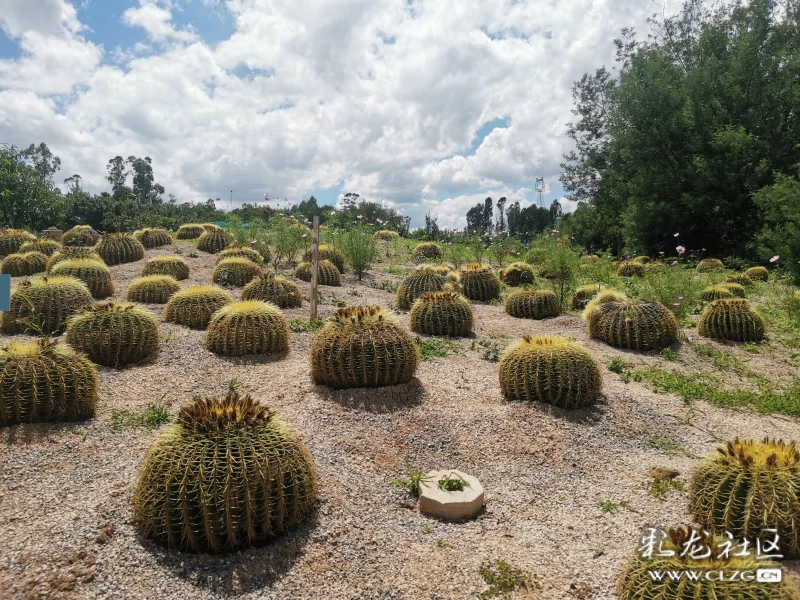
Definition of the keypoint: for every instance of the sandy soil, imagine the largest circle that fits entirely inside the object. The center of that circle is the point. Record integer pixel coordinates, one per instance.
(65, 490)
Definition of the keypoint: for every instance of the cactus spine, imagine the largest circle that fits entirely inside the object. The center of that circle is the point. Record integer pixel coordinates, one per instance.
(757, 273)
(44, 245)
(189, 231)
(23, 264)
(152, 289)
(551, 370)
(12, 239)
(80, 235)
(479, 283)
(709, 264)
(119, 248)
(327, 252)
(532, 304)
(362, 347)
(70, 252)
(427, 251)
(630, 269)
(518, 273)
(248, 327)
(194, 306)
(633, 324)
(234, 272)
(153, 238)
(43, 306)
(174, 266)
(93, 273)
(327, 273)
(441, 313)
(269, 287)
(214, 240)
(731, 319)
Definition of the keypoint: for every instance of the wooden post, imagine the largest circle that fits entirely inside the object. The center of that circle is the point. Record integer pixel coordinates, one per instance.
(314, 267)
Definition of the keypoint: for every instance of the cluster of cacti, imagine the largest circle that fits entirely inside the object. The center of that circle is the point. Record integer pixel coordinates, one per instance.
(327, 273)
(709, 264)
(385, 235)
(226, 475)
(278, 290)
(12, 239)
(671, 560)
(630, 269)
(518, 273)
(421, 280)
(214, 240)
(551, 370)
(119, 248)
(23, 263)
(45, 382)
(441, 313)
(327, 252)
(153, 238)
(42, 306)
(69, 253)
(715, 292)
(588, 259)
(735, 289)
(531, 303)
(234, 272)
(740, 278)
(114, 335)
(153, 289)
(174, 266)
(194, 306)
(247, 327)
(536, 256)
(44, 245)
(80, 235)
(757, 273)
(479, 283)
(240, 251)
(93, 273)
(426, 251)
(584, 294)
(747, 487)
(363, 347)
(189, 231)
(642, 260)
(731, 319)
(633, 324)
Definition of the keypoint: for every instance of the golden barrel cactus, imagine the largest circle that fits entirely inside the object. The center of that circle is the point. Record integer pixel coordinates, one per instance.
(442, 313)
(735, 289)
(385, 235)
(715, 292)
(44, 245)
(757, 273)
(642, 260)
(80, 235)
(234, 272)
(633, 324)
(22, 264)
(174, 266)
(71, 252)
(531, 303)
(427, 251)
(518, 273)
(93, 273)
(214, 240)
(194, 306)
(479, 283)
(418, 282)
(278, 290)
(731, 319)
(630, 269)
(709, 264)
(247, 327)
(11, 240)
(153, 238)
(584, 294)
(189, 231)
(240, 251)
(119, 248)
(740, 278)
(329, 253)
(152, 289)
(43, 306)
(327, 273)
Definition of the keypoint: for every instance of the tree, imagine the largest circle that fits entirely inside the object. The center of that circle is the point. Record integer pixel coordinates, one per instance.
(73, 184)
(144, 187)
(431, 227)
(488, 212)
(780, 204)
(512, 214)
(44, 162)
(475, 220)
(117, 173)
(501, 203)
(25, 201)
(350, 199)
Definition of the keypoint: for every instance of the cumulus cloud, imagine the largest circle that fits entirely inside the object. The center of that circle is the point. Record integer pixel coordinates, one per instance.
(155, 18)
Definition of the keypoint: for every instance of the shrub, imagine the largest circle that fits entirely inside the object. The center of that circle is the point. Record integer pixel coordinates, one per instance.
(240, 251)
(44, 305)
(80, 235)
(740, 278)
(119, 248)
(153, 289)
(584, 294)
(757, 273)
(234, 272)
(12, 239)
(731, 319)
(194, 306)
(226, 475)
(114, 335)
(427, 251)
(23, 264)
(44, 245)
(715, 292)
(174, 266)
(709, 264)
(358, 249)
(68, 253)
(248, 327)
(551, 370)
(441, 313)
(532, 304)
(479, 283)
(536, 256)
(287, 239)
(190, 231)
(153, 238)
(420, 281)
(93, 273)
(630, 269)
(269, 287)
(214, 240)
(518, 273)
(633, 324)
(362, 347)
(329, 253)
(327, 273)
(45, 382)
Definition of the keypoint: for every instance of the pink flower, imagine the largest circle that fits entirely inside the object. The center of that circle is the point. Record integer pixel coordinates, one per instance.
(676, 304)
(774, 258)
(680, 249)
(555, 230)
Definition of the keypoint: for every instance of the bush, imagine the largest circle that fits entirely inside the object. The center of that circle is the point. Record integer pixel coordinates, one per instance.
(358, 249)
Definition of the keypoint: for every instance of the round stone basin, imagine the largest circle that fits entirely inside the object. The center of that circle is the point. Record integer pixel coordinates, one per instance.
(450, 505)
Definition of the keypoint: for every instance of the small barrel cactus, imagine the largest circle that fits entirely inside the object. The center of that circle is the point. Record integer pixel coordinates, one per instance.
(234, 272)
(93, 273)
(518, 273)
(278, 290)
(530, 303)
(362, 347)
(11, 240)
(735, 289)
(551, 370)
(327, 252)
(327, 274)
(731, 319)
(70, 252)
(153, 238)
(420, 281)
(80, 235)
(715, 292)
(634, 324)
(589, 259)
(174, 266)
(189, 231)
(248, 327)
(630, 269)
(757, 273)
(749, 486)
(642, 260)
(441, 313)
(44, 245)
(45, 382)
(427, 251)
(211, 227)
(113, 334)
(226, 475)
(601, 298)
(584, 294)
(194, 306)
(385, 235)
(740, 278)
(709, 264)
(153, 289)
(240, 251)
(479, 283)
(636, 582)
(214, 240)
(23, 264)
(43, 306)
(119, 248)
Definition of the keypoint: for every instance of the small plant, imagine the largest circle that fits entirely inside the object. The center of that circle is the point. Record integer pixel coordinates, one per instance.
(503, 578)
(310, 326)
(618, 365)
(193, 254)
(387, 285)
(669, 354)
(358, 249)
(452, 482)
(434, 347)
(663, 481)
(491, 355)
(666, 444)
(411, 479)
(153, 416)
(607, 506)
(341, 303)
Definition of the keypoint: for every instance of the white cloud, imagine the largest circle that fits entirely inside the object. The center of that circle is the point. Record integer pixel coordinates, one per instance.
(155, 16)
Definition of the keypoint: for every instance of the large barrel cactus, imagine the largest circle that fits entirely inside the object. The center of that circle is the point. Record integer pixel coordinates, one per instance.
(43, 306)
(518, 273)
(427, 251)
(634, 324)
(45, 382)
(757, 273)
(740, 278)
(636, 582)
(153, 289)
(551, 370)
(240, 251)
(153, 238)
(363, 347)
(11, 240)
(327, 252)
(226, 475)
(174, 266)
(630, 269)
(23, 264)
(234, 272)
(715, 292)
(479, 283)
(93, 273)
(44, 245)
(114, 335)
(327, 273)
(214, 240)
(709, 264)
(420, 281)
(80, 235)
(747, 487)
(194, 306)
(584, 294)
(71, 252)
(531, 303)
(278, 290)
(731, 319)
(119, 248)
(189, 231)
(442, 313)
(247, 327)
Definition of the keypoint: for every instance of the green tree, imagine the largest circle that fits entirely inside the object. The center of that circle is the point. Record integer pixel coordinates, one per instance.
(780, 235)
(44, 162)
(25, 201)
(117, 173)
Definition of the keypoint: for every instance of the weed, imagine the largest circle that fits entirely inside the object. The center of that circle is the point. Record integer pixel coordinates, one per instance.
(618, 366)
(412, 477)
(663, 481)
(751, 347)
(193, 254)
(302, 326)
(154, 415)
(494, 302)
(233, 384)
(443, 544)
(492, 346)
(387, 285)
(666, 444)
(452, 483)
(607, 506)
(427, 528)
(721, 359)
(504, 578)
(491, 354)
(669, 354)
(341, 303)
(434, 347)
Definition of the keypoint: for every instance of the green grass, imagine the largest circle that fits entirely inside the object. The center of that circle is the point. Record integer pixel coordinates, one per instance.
(607, 506)
(411, 478)
(387, 285)
(669, 354)
(720, 359)
(303, 326)
(666, 444)
(503, 578)
(152, 417)
(432, 348)
(662, 482)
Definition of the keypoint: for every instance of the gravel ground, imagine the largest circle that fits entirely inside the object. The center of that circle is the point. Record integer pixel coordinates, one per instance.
(65, 490)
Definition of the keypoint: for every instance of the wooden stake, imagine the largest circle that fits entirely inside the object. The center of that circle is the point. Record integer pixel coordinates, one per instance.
(314, 267)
